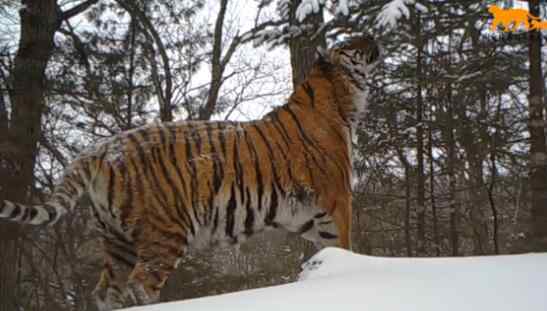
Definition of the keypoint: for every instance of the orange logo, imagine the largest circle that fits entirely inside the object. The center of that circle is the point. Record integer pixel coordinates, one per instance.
(511, 19)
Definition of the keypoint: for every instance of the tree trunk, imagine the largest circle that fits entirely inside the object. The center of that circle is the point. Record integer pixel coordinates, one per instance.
(436, 241)
(420, 174)
(454, 213)
(538, 154)
(302, 48)
(39, 21)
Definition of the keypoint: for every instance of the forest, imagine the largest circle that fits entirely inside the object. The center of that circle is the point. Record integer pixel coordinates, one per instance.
(450, 159)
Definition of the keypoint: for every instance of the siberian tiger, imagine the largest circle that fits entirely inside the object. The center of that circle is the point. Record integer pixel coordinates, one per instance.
(160, 189)
(508, 17)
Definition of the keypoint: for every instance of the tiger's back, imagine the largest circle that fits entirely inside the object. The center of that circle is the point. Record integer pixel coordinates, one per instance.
(212, 181)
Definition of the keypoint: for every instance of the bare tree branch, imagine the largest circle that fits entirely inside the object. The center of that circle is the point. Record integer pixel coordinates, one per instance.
(217, 67)
(165, 95)
(77, 9)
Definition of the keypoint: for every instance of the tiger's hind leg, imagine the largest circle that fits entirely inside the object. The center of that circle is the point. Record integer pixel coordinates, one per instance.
(159, 253)
(118, 263)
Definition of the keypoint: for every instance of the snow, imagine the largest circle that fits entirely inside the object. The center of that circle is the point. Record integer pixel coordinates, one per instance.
(308, 7)
(342, 8)
(395, 10)
(335, 279)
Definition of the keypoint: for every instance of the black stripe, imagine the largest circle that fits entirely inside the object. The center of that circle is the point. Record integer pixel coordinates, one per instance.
(250, 218)
(320, 215)
(230, 213)
(301, 130)
(195, 135)
(281, 128)
(285, 154)
(51, 212)
(272, 212)
(121, 259)
(119, 245)
(111, 190)
(179, 218)
(180, 204)
(184, 210)
(96, 214)
(33, 212)
(307, 141)
(16, 211)
(174, 161)
(272, 160)
(222, 140)
(306, 226)
(236, 159)
(183, 217)
(138, 181)
(127, 203)
(309, 90)
(194, 208)
(69, 187)
(140, 151)
(26, 213)
(193, 173)
(118, 241)
(362, 75)
(210, 207)
(258, 172)
(352, 79)
(161, 133)
(327, 235)
(159, 194)
(218, 173)
(283, 151)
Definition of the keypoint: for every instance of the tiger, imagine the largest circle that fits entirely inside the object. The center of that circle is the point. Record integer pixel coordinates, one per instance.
(516, 17)
(160, 190)
(538, 25)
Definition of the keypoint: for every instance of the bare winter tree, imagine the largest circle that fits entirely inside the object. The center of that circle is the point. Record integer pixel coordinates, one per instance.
(40, 20)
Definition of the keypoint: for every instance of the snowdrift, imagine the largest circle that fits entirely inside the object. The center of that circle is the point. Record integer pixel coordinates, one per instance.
(335, 279)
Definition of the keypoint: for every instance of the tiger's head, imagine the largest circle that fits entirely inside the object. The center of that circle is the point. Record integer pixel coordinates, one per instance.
(354, 59)
(358, 55)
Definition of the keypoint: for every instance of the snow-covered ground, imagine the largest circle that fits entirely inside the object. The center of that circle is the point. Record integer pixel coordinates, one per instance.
(338, 280)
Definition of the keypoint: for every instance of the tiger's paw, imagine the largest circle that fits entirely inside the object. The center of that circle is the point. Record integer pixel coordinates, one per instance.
(136, 295)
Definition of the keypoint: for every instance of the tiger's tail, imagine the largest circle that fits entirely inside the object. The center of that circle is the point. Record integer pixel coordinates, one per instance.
(63, 199)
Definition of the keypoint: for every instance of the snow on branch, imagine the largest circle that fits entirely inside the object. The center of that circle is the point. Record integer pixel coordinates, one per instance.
(342, 8)
(308, 7)
(395, 10)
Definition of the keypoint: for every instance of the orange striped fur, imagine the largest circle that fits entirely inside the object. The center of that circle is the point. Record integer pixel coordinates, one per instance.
(160, 189)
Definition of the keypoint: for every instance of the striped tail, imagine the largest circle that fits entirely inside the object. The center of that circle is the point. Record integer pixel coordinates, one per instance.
(64, 199)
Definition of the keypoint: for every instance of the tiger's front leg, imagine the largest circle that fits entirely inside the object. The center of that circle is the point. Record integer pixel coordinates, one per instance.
(334, 225)
(331, 223)
(159, 250)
